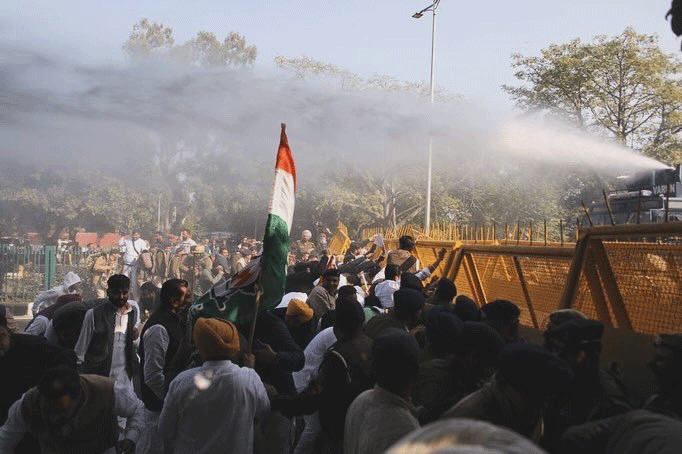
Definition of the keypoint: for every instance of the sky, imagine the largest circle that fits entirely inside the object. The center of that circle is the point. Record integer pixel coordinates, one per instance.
(474, 40)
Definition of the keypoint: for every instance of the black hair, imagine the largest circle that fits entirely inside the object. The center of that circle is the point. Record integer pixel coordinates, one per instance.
(347, 291)
(353, 279)
(118, 281)
(446, 289)
(395, 360)
(406, 242)
(171, 289)
(349, 316)
(407, 303)
(391, 272)
(331, 272)
(60, 381)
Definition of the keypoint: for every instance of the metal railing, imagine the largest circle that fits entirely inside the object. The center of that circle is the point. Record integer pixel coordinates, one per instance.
(627, 276)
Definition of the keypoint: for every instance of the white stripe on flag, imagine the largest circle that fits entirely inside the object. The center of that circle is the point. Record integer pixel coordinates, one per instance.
(283, 197)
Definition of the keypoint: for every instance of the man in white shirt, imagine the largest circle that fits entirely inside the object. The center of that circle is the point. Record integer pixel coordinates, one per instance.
(105, 344)
(186, 244)
(211, 408)
(384, 290)
(131, 250)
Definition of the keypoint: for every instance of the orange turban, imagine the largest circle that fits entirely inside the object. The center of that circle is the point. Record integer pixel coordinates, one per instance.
(216, 338)
(299, 310)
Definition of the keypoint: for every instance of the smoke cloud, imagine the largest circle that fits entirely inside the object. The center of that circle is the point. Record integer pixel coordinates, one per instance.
(58, 111)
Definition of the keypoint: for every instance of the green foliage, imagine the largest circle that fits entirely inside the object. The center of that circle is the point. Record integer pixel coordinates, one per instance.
(47, 201)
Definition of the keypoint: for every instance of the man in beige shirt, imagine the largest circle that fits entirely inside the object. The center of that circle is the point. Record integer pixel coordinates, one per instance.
(323, 297)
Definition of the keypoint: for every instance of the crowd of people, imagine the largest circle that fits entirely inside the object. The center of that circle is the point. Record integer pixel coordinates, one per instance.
(367, 353)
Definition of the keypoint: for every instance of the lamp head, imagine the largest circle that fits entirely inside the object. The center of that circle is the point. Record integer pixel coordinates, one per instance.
(418, 15)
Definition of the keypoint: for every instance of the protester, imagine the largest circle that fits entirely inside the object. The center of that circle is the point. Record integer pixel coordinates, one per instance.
(445, 293)
(244, 257)
(403, 256)
(161, 337)
(578, 342)
(23, 360)
(65, 327)
(323, 297)
(516, 395)
(69, 413)
(47, 298)
(149, 300)
(40, 323)
(345, 372)
(409, 304)
(379, 417)
(105, 345)
(301, 321)
(467, 310)
(503, 315)
(464, 436)
(212, 408)
(466, 354)
(314, 354)
(384, 290)
(277, 357)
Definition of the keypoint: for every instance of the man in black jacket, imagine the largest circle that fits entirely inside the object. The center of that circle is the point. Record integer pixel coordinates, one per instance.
(105, 345)
(161, 336)
(277, 356)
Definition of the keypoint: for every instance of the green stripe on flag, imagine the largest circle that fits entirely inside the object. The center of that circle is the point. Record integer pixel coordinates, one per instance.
(274, 262)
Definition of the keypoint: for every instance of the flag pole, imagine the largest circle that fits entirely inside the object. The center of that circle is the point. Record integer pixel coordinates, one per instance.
(256, 308)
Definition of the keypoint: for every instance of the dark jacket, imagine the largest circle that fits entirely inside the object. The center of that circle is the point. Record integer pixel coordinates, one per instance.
(176, 332)
(94, 427)
(588, 399)
(491, 403)
(636, 432)
(24, 364)
(98, 357)
(381, 322)
(439, 387)
(271, 330)
(345, 372)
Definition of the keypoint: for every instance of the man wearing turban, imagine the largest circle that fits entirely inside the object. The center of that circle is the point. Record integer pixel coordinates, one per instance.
(212, 408)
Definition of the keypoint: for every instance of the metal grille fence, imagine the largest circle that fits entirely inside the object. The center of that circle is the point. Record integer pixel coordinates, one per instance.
(627, 276)
(23, 270)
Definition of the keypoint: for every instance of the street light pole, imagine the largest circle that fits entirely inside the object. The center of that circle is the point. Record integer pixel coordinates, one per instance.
(432, 87)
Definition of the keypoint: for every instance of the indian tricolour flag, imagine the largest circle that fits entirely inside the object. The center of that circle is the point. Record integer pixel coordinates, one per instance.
(235, 299)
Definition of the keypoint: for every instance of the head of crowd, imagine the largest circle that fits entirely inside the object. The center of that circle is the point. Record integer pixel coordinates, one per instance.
(368, 351)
